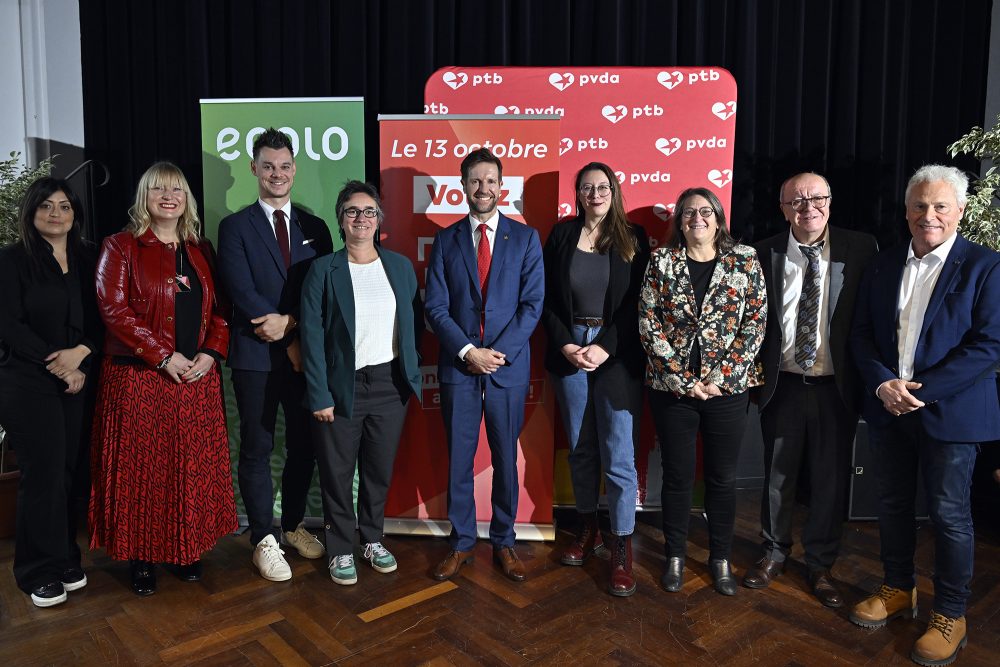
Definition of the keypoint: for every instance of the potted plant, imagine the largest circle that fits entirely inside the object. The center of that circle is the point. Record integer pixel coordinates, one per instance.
(15, 177)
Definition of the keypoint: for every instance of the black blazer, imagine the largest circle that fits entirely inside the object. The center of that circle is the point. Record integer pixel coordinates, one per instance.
(35, 315)
(620, 334)
(850, 253)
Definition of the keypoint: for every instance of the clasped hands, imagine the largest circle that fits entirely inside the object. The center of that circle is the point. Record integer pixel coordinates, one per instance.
(484, 360)
(181, 369)
(585, 357)
(65, 365)
(703, 391)
(896, 396)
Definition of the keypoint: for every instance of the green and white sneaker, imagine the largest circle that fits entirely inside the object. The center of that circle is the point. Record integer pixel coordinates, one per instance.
(380, 558)
(342, 570)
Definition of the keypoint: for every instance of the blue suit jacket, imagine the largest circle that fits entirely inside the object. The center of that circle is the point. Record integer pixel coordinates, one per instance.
(327, 329)
(514, 297)
(958, 349)
(254, 275)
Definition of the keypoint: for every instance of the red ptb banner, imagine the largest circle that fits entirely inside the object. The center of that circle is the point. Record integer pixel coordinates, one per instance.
(661, 129)
(420, 158)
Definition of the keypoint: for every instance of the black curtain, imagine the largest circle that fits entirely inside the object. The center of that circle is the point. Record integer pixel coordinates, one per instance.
(862, 91)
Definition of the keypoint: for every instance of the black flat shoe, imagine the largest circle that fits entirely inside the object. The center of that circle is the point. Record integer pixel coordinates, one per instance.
(143, 578)
(673, 577)
(48, 595)
(722, 577)
(190, 572)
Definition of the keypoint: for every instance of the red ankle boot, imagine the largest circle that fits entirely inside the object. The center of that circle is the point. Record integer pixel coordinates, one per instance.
(622, 580)
(588, 540)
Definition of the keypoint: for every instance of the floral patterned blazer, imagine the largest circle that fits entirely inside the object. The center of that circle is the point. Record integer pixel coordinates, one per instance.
(729, 328)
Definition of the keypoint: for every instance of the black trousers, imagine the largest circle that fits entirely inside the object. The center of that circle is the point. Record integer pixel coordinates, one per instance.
(258, 395)
(807, 423)
(368, 441)
(678, 420)
(45, 430)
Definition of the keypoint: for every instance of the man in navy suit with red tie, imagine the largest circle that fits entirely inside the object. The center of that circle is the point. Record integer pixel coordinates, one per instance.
(485, 287)
(264, 253)
(926, 338)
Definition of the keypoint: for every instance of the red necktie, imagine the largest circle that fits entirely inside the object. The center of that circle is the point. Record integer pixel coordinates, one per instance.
(483, 257)
(281, 233)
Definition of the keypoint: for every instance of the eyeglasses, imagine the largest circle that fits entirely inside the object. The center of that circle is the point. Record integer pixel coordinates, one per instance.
(353, 212)
(603, 189)
(705, 212)
(802, 203)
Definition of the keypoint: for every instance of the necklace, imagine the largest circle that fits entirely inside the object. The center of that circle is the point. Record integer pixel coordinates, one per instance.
(590, 239)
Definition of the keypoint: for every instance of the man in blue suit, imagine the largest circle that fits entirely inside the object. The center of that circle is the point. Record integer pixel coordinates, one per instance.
(485, 287)
(926, 338)
(264, 253)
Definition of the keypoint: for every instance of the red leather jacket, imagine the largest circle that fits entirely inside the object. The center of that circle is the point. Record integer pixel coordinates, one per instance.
(135, 294)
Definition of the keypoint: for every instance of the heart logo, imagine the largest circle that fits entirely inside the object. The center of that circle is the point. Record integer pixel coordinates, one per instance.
(500, 109)
(621, 176)
(561, 81)
(455, 79)
(565, 210)
(720, 178)
(670, 80)
(724, 110)
(668, 146)
(663, 211)
(565, 144)
(614, 114)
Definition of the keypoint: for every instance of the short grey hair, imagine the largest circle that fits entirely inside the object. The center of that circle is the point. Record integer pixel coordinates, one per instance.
(781, 190)
(930, 173)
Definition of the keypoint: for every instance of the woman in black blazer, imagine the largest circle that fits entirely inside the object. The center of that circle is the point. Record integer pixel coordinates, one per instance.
(593, 271)
(49, 334)
(361, 321)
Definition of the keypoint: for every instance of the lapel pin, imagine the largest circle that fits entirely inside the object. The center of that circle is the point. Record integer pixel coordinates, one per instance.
(505, 237)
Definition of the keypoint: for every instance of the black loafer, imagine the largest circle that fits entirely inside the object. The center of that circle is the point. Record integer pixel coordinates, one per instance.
(48, 595)
(673, 577)
(722, 577)
(190, 572)
(143, 578)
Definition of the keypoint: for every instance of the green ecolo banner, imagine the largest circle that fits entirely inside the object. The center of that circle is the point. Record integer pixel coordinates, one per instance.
(328, 138)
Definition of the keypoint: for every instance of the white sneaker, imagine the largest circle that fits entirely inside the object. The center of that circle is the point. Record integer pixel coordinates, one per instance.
(304, 542)
(269, 561)
(342, 570)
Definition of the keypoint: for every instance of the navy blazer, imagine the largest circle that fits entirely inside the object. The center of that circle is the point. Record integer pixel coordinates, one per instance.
(327, 329)
(958, 349)
(850, 253)
(515, 294)
(253, 272)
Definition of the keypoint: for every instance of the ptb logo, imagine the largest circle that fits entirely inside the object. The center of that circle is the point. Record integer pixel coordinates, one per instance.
(561, 80)
(445, 195)
(455, 80)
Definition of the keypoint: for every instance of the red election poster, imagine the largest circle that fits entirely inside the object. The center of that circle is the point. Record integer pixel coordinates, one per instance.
(661, 129)
(422, 193)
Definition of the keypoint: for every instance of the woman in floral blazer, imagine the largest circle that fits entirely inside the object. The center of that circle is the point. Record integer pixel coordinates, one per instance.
(702, 313)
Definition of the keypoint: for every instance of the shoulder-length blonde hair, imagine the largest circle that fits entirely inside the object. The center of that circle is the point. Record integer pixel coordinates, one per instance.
(165, 174)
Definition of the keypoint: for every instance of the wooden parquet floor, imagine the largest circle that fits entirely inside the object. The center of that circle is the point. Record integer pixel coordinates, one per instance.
(560, 616)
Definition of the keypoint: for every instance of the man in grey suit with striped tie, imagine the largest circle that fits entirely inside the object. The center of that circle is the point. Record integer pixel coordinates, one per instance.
(810, 398)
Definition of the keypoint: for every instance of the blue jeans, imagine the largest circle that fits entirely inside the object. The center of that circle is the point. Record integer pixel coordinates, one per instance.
(947, 475)
(600, 412)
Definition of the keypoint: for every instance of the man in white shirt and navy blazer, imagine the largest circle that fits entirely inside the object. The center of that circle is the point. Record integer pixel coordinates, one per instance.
(483, 301)
(926, 338)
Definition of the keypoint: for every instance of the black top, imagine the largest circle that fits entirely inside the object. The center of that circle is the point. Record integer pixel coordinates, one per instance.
(43, 310)
(701, 276)
(588, 280)
(187, 306)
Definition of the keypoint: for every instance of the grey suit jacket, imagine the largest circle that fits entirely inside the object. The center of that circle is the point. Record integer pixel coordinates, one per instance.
(850, 253)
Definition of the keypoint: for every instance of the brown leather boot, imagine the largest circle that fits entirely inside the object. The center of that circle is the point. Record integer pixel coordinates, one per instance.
(942, 641)
(588, 540)
(884, 605)
(622, 580)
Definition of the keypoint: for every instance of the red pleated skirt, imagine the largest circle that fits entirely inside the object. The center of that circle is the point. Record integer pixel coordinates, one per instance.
(161, 486)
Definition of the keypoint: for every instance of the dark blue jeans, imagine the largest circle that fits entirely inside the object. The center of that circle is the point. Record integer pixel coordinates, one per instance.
(947, 475)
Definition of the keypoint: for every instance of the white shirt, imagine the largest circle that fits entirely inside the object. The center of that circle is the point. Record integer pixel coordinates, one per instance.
(374, 315)
(795, 271)
(269, 212)
(491, 235)
(915, 289)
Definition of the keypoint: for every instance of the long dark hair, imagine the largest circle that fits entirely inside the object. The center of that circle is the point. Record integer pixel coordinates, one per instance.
(724, 242)
(37, 247)
(617, 233)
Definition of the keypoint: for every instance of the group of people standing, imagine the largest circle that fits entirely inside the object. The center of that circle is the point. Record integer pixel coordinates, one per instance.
(810, 325)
